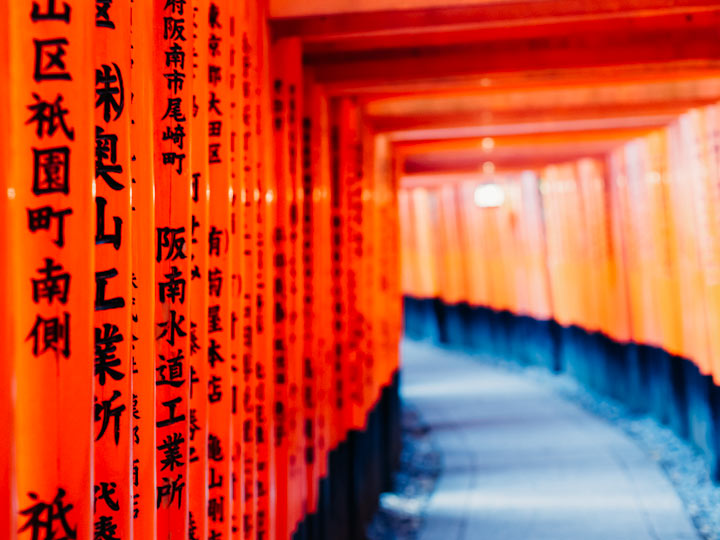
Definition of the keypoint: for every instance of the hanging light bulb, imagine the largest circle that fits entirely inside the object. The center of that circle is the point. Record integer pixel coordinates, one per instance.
(489, 196)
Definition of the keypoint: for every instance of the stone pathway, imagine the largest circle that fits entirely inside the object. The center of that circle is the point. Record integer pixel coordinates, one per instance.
(519, 462)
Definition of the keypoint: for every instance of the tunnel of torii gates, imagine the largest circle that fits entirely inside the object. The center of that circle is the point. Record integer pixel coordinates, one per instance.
(201, 274)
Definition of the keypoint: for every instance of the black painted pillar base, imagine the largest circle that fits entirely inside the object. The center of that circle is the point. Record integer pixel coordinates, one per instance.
(648, 380)
(360, 469)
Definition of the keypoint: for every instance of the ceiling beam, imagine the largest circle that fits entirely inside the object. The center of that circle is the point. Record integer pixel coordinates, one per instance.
(568, 52)
(609, 113)
(517, 161)
(504, 81)
(435, 180)
(492, 30)
(334, 24)
(480, 144)
(530, 150)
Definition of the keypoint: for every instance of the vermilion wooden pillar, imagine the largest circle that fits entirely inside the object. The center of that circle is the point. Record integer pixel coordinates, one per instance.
(689, 208)
(340, 420)
(287, 266)
(309, 348)
(351, 187)
(252, 346)
(408, 254)
(142, 167)
(387, 251)
(708, 125)
(620, 328)
(373, 299)
(469, 239)
(281, 306)
(113, 400)
(324, 282)
(312, 364)
(198, 285)
(51, 214)
(220, 274)
(239, 276)
(7, 368)
(294, 90)
(395, 321)
(319, 373)
(265, 489)
(249, 199)
(173, 233)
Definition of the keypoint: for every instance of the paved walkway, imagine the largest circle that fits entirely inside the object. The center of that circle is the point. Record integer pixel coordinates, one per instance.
(521, 463)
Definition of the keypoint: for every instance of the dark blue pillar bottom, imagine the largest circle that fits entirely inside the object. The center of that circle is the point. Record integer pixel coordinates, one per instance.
(648, 380)
(360, 469)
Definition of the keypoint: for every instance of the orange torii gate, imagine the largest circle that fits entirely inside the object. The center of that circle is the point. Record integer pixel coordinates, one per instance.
(199, 221)
(168, 351)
